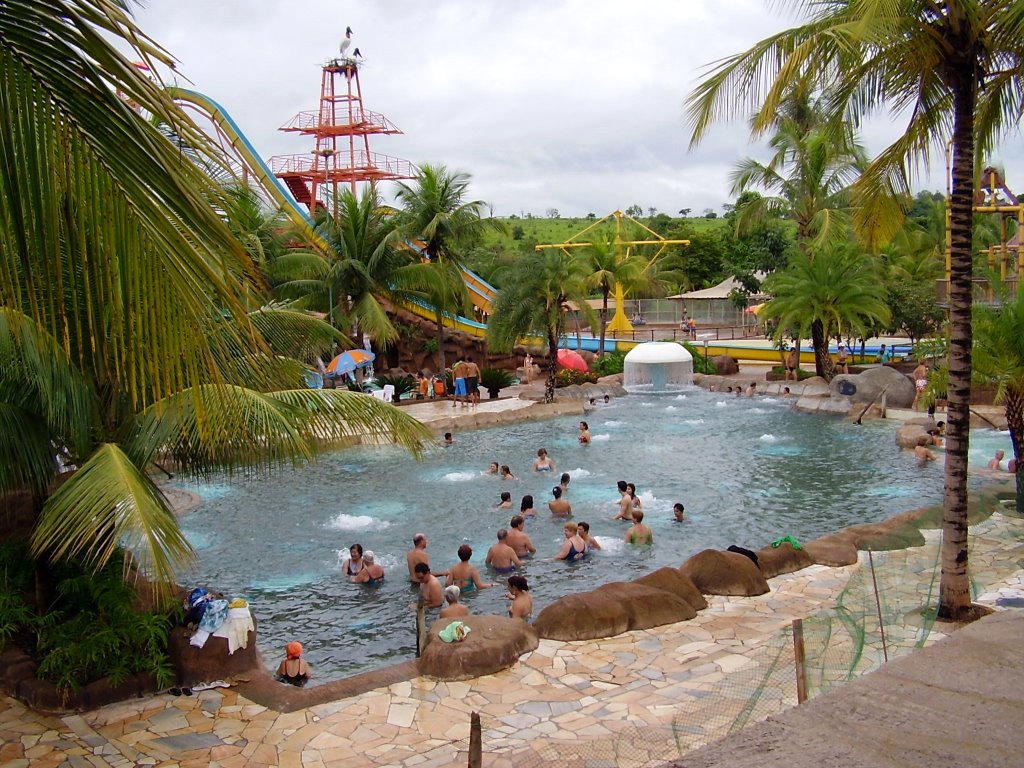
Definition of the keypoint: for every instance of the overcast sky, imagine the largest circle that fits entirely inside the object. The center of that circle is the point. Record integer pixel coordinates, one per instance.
(575, 105)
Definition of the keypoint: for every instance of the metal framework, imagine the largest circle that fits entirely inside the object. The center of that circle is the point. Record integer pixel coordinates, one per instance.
(619, 322)
(341, 130)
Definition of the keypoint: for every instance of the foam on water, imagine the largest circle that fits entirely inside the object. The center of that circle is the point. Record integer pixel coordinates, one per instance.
(609, 545)
(721, 404)
(671, 408)
(680, 397)
(461, 477)
(579, 473)
(768, 438)
(600, 438)
(758, 410)
(613, 423)
(693, 421)
(343, 522)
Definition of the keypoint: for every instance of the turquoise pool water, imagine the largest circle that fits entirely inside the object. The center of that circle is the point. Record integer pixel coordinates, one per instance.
(748, 470)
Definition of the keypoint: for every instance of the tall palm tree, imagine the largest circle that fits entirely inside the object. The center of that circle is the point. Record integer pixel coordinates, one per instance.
(999, 360)
(533, 300)
(954, 68)
(607, 265)
(130, 320)
(815, 160)
(436, 212)
(838, 289)
(366, 264)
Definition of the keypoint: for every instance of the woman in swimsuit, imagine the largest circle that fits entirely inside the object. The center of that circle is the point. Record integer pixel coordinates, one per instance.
(519, 594)
(526, 507)
(573, 548)
(371, 573)
(506, 473)
(633, 498)
(293, 669)
(639, 533)
(542, 462)
(584, 433)
(354, 562)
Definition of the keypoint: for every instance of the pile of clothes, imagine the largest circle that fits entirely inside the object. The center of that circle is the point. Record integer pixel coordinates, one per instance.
(210, 613)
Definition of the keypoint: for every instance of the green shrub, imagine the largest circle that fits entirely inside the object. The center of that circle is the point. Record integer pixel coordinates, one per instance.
(402, 384)
(701, 363)
(608, 364)
(91, 631)
(801, 373)
(567, 376)
(496, 379)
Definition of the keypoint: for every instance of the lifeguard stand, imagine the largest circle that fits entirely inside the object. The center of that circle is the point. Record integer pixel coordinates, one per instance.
(993, 196)
(341, 130)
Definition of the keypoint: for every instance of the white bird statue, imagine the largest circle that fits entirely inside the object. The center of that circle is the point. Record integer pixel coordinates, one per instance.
(346, 42)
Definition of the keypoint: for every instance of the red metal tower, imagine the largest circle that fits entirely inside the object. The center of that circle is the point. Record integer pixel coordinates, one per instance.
(342, 129)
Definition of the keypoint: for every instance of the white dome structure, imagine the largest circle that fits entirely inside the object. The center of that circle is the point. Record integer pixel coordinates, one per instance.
(657, 366)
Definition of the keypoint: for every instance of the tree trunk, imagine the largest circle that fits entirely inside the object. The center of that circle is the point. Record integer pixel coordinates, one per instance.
(549, 388)
(955, 584)
(1014, 410)
(440, 348)
(822, 360)
(604, 320)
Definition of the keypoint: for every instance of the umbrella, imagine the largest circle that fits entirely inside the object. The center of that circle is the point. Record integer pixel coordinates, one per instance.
(570, 358)
(348, 361)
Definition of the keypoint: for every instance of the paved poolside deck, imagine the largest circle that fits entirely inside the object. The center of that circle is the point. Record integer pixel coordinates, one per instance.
(614, 700)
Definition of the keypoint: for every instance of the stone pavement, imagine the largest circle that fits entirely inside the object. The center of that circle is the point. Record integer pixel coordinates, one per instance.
(618, 701)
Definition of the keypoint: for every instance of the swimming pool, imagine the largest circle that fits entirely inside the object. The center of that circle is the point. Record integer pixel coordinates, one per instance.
(748, 470)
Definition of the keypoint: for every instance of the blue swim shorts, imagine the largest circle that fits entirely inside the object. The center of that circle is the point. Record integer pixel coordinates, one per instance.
(460, 387)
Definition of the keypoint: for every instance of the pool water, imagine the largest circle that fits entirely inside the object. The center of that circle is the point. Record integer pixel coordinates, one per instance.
(749, 471)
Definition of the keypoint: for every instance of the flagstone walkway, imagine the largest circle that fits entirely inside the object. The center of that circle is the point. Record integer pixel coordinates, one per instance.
(597, 703)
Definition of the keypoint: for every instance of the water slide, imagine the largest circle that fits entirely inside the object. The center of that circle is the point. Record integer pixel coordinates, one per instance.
(481, 292)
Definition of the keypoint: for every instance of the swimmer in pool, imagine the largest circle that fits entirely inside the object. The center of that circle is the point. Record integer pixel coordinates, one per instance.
(501, 557)
(639, 533)
(491, 470)
(517, 537)
(584, 437)
(506, 500)
(625, 502)
(543, 462)
(634, 499)
(454, 609)
(559, 507)
(372, 573)
(574, 547)
(526, 506)
(678, 510)
(506, 473)
(354, 562)
(463, 575)
(564, 483)
(519, 594)
(584, 531)
(923, 454)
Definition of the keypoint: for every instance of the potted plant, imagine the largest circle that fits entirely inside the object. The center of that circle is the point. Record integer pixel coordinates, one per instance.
(495, 379)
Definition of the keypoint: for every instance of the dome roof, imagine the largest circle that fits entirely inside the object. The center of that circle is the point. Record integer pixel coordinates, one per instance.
(658, 352)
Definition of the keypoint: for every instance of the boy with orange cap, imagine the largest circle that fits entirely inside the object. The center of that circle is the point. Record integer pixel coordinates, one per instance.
(293, 669)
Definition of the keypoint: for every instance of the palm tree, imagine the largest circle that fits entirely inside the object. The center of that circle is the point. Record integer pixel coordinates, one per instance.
(130, 325)
(607, 265)
(810, 172)
(435, 211)
(999, 360)
(838, 290)
(364, 265)
(533, 300)
(954, 68)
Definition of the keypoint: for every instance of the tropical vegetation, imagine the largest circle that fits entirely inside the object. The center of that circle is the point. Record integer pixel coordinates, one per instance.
(134, 325)
(954, 69)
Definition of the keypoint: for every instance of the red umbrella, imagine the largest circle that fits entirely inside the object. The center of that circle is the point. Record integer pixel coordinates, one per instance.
(570, 358)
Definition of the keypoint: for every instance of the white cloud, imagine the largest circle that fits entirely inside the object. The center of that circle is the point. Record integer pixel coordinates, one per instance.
(568, 104)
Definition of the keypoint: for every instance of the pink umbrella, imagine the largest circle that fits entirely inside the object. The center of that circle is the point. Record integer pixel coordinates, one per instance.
(570, 358)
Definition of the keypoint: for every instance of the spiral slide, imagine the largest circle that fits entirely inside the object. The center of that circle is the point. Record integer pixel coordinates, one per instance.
(234, 141)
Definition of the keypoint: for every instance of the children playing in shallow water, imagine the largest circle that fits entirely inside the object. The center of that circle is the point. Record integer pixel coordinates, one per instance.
(293, 669)
(639, 533)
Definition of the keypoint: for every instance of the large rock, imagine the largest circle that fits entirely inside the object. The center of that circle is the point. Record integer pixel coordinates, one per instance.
(494, 643)
(212, 661)
(782, 559)
(672, 580)
(586, 616)
(907, 435)
(648, 606)
(886, 535)
(724, 573)
(834, 550)
(868, 386)
(725, 365)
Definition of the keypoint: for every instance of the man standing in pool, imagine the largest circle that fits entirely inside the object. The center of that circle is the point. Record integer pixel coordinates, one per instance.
(431, 592)
(418, 554)
(518, 539)
(501, 557)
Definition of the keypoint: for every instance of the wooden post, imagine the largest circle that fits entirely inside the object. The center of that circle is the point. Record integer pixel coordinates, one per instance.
(476, 747)
(421, 626)
(801, 672)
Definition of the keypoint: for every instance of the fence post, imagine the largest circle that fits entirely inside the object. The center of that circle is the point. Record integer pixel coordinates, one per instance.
(476, 746)
(878, 601)
(801, 671)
